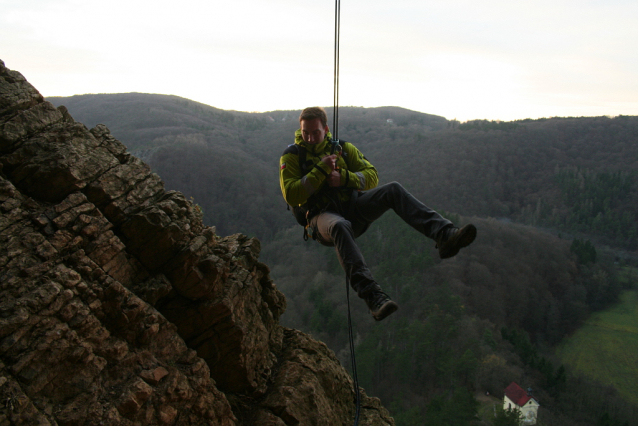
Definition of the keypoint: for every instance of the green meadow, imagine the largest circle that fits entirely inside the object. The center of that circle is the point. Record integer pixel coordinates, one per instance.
(606, 347)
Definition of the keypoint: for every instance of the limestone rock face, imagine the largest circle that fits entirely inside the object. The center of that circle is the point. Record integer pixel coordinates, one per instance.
(119, 307)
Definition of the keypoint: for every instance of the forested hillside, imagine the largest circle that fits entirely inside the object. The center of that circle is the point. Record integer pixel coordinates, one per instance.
(470, 324)
(577, 175)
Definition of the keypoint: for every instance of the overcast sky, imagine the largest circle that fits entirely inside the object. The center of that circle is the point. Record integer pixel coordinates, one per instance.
(464, 59)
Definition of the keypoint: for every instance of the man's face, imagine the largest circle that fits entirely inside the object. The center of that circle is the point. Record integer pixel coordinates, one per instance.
(313, 131)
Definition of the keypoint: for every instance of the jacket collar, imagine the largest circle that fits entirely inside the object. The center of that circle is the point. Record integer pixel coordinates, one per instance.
(316, 148)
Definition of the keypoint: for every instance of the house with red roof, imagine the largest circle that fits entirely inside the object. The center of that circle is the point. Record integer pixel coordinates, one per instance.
(517, 397)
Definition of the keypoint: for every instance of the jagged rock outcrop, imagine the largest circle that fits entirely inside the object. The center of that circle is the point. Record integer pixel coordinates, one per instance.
(119, 307)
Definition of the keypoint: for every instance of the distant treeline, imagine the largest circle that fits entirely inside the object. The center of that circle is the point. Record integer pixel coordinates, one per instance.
(577, 175)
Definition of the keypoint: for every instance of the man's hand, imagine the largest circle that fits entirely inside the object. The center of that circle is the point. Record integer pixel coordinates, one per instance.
(334, 179)
(330, 161)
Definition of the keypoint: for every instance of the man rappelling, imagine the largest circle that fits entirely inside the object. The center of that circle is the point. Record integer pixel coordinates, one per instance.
(332, 189)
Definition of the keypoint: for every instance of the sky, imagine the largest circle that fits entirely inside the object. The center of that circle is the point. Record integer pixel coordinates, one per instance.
(460, 59)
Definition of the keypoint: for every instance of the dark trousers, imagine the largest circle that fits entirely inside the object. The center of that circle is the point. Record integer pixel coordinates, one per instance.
(333, 229)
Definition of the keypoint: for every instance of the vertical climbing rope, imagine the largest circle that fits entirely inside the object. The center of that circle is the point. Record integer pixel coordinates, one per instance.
(335, 117)
(335, 143)
(352, 358)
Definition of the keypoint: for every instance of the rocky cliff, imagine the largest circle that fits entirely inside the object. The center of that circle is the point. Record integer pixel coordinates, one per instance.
(119, 307)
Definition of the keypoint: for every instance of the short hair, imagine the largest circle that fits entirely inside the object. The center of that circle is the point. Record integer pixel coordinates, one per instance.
(311, 113)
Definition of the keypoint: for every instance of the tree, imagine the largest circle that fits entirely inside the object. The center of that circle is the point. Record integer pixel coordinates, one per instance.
(512, 417)
(458, 410)
(584, 251)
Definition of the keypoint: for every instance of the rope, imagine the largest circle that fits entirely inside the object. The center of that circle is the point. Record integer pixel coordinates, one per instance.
(335, 142)
(352, 357)
(335, 118)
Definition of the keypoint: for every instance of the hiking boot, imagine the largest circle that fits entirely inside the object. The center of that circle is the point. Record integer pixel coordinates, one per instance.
(380, 305)
(451, 240)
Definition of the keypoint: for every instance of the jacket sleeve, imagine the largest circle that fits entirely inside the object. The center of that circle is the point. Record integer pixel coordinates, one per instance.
(360, 173)
(297, 188)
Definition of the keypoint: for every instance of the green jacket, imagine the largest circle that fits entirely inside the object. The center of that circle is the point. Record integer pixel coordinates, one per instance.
(356, 172)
